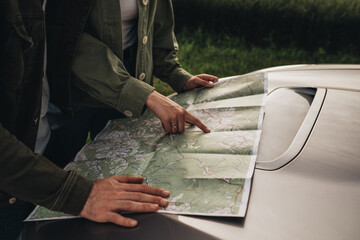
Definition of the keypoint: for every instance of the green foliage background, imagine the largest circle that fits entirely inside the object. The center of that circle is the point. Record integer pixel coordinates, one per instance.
(231, 37)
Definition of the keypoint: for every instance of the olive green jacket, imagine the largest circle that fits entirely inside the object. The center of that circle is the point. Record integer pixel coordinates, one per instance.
(24, 175)
(98, 66)
(84, 53)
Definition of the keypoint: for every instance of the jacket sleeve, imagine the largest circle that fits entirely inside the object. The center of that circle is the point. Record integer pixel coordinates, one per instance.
(166, 64)
(33, 178)
(102, 75)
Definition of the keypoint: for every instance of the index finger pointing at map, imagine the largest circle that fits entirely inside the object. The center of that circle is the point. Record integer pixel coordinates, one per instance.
(188, 117)
(203, 176)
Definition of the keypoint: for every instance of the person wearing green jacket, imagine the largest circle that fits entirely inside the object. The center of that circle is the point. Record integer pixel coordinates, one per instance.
(111, 39)
(85, 68)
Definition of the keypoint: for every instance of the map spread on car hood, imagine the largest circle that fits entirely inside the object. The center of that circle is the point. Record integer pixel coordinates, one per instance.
(206, 173)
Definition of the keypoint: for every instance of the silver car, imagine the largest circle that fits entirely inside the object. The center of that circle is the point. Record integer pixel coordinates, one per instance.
(306, 183)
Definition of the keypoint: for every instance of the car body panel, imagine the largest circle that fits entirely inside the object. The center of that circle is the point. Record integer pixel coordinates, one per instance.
(314, 195)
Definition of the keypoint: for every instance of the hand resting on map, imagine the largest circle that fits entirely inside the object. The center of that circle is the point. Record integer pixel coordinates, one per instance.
(171, 114)
(112, 195)
(201, 80)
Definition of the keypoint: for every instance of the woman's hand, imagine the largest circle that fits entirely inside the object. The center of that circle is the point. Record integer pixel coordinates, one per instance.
(201, 80)
(171, 114)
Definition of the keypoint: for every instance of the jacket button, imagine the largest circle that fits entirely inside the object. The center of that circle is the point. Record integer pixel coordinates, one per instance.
(142, 76)
(145, 2)
(128, 113)
(12, 200)
(144, 40)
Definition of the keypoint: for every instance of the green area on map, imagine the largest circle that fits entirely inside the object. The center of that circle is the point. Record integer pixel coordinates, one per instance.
(206, 174)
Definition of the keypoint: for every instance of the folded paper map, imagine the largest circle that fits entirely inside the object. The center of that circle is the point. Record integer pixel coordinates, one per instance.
(206, 173)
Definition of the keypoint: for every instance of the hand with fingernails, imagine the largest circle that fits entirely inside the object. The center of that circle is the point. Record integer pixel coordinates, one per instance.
(173, 117)
(201, 80)
(110, 196)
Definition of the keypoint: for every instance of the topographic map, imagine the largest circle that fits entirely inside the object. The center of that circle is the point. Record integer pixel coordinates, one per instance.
(206, 173)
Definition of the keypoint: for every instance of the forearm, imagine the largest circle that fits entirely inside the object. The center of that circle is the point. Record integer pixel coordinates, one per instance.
(33, 178)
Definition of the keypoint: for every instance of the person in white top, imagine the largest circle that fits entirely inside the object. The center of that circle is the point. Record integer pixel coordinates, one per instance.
(129, 18)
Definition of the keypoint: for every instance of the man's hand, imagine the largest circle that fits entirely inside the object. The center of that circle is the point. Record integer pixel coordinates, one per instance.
(171, 114)
(201, 80)
(111, 195)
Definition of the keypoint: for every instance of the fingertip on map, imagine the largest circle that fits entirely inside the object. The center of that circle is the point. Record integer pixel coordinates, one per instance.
(164, 202)
(165, 193)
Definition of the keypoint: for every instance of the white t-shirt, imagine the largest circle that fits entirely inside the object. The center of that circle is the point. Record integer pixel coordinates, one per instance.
(43, 135)
(129, 17)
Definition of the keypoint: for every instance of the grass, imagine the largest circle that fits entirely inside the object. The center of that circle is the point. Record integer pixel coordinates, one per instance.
(226, 55)
(231, 37)
(307, 24)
